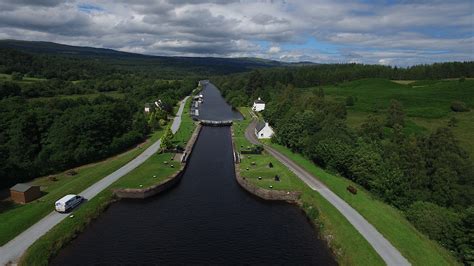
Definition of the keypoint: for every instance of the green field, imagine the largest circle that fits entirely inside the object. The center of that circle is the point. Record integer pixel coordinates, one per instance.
(89, 96)
(426, 104)
(8, 77)
(350, 247)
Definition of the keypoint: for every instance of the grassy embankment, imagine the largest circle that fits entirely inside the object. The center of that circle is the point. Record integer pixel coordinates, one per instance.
(151, 172)
(350, 247)
(426, 104)
(389, 221)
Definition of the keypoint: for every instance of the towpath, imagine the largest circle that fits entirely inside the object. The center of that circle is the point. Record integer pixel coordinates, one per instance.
(14, 249)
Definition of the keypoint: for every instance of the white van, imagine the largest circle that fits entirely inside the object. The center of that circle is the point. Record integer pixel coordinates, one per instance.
(68, 202)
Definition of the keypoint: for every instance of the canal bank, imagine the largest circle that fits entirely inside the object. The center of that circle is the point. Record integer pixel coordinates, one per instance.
(207, 219)
(59, 236)
(167, 183)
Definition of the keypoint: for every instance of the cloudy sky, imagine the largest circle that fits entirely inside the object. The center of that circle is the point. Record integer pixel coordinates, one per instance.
(380, 32)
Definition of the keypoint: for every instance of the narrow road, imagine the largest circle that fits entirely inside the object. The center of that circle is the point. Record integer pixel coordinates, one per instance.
(12, 251)
(382, 246)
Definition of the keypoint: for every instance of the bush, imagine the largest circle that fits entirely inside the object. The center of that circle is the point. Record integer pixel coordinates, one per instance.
(352, 189)
(255, 149)
(458, 106)
(350, 101)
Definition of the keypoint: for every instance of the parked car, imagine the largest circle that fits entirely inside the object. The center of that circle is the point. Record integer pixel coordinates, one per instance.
(68, 202)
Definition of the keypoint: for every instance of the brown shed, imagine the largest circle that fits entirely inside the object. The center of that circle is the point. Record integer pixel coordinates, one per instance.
(24, 193)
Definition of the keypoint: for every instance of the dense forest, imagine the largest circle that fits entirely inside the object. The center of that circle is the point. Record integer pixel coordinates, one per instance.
(427, 176)
(43, 132)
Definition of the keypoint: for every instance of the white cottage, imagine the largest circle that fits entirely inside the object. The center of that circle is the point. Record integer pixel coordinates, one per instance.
(263, 131)
(258, 105)
(148, 107)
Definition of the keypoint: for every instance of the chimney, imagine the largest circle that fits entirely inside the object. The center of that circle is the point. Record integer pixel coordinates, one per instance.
(259, 99)
(266, 124)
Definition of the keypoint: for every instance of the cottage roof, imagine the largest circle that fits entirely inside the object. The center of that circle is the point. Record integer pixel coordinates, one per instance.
(259, 101)
(20, 187)
(260, 126)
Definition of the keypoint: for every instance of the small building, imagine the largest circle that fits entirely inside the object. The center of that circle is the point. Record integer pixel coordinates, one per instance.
(24, 193)
(264, 131)
(258, 105)
(159, 104)
(148, 107)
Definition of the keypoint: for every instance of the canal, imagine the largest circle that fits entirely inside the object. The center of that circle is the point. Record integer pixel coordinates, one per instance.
(206, 219)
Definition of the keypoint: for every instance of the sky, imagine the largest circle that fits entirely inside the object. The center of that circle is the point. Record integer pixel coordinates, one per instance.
(387, 32)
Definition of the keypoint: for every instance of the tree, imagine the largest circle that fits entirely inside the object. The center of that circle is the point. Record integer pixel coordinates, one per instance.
(395, 114)
(166, 140)
(458, 106)
(440, 224)
(372, 129)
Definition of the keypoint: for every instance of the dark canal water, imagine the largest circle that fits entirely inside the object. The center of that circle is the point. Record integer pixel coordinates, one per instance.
(206, 219)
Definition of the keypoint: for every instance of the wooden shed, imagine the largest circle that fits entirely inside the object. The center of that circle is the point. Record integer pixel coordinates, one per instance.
(24, 193)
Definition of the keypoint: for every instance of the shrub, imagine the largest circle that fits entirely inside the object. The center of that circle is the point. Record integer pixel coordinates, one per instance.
(352, 189)
(458, 106)
(350, 101)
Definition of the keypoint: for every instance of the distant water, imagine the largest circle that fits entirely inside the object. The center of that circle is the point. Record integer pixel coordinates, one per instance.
(206, 219)
(215, 107)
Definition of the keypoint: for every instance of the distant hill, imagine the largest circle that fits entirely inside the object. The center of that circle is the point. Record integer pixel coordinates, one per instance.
(208, 65)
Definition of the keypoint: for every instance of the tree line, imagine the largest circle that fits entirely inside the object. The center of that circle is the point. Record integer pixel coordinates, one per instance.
(429, 177)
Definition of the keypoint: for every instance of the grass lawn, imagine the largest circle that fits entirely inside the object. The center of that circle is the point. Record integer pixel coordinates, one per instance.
(154, 170)
(187, 126)
(350, 247)
(426, 104)
(390, 222)
(24, 216)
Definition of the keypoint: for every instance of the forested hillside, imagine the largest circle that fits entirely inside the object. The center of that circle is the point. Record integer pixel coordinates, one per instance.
(425, 173)
(60, 112)
(65, 60)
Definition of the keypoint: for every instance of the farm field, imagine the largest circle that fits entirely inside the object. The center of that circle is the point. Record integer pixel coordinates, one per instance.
(426, 104)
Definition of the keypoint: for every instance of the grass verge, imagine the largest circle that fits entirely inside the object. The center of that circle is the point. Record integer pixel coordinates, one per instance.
(348, 245)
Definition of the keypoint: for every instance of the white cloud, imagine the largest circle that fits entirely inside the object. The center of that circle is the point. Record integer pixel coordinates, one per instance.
(400, 33)
(274, 50)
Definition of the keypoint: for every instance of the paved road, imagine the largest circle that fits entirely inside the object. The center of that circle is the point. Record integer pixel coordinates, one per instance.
(12, 251)
(389, 253)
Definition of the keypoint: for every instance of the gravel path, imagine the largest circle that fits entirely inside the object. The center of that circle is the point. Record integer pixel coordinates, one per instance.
(12, 251)
(382, 246)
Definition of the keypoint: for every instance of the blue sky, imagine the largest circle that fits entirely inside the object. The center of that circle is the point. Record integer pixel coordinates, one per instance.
(325, 31)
